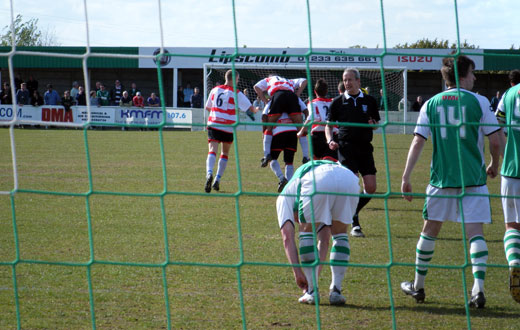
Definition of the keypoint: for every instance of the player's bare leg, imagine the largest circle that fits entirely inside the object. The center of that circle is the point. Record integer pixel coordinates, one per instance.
(210, 163)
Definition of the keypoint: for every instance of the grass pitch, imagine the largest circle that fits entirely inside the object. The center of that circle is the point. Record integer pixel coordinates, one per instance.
(222, 248)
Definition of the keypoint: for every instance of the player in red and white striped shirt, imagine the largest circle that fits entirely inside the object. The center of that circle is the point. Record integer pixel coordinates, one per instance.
(284, 139)
(221, 105)
(284, 94)
(319, 108)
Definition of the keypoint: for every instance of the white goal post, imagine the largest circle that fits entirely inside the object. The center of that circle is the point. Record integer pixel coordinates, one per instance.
(371, 79)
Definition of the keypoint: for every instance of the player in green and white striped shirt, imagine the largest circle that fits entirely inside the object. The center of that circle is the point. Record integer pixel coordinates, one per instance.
(453, 107)
(508, 111)
(317, 192)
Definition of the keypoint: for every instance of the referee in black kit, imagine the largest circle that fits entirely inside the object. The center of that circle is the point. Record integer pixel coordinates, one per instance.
(355, 147)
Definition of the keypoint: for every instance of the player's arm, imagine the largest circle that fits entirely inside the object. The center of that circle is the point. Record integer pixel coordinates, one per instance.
(375, 118)
(496, 149)
(413, 155)
(291, 251)
(260, 89)
(302, 87)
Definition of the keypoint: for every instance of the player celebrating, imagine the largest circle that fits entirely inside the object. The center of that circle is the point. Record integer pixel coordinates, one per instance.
(509, 110)
(284, 95)
(320, 107)
(284, 139)
(332, 214)
(355, 147)
(447, 178)
(221, 105)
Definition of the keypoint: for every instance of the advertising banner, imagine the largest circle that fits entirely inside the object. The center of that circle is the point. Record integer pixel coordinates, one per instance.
(109, 115)
(418, 59)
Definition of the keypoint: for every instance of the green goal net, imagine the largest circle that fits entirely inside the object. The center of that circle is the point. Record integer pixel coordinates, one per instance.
(111, 229)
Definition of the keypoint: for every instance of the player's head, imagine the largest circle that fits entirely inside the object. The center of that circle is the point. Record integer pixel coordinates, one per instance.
(351, 80)
(465, 67)
(321, 88)
(341, 87)
(514, 77)
(229, 77)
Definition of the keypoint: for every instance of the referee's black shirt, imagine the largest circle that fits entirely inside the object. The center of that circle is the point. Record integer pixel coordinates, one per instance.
(354, 109)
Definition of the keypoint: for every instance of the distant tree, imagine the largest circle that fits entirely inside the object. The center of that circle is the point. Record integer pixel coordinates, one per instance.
(358, 46)
(427, 43)
(27, 34)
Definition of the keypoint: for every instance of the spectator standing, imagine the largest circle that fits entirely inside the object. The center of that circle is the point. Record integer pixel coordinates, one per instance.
(416, 106)
(67, 101)
(117, 92)
(153, 101)
(138, 100)
(133, 91)
(93, 98)
(81, 98)
(18, 80)
(5, 94)
(103, 95)
(51, 97)
(495, 100)
(180, 96)
(32, 85)
(22, 95)
(188, 92)
(36, 99)
(126, 100)
(98, 86)
(196, 98)
(74, 90)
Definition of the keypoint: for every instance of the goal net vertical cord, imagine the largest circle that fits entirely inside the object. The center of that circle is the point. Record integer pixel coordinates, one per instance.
(251, 76)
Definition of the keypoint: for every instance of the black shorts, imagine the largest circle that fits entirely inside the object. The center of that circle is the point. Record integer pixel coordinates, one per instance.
(357, 157)
(286, 142)
(219, 136)
(320, 147)
(284, 102)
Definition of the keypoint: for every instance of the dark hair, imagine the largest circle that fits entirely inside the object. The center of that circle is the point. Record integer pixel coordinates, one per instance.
(321, 87)
(341, 87)
(514, 77)
(464, 64)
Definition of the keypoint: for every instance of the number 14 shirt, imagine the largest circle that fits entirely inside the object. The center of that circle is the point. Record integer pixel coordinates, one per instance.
(443, 109)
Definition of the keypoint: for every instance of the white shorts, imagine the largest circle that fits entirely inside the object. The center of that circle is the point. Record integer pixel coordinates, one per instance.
(285, 205)
(511, 206)
(328, 207)
(477, 209)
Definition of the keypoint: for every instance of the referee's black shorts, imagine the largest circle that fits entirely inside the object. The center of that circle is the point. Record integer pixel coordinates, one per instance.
(219, 136)
(320, 147)
(357, 157)
(284, 101)
(286, 142)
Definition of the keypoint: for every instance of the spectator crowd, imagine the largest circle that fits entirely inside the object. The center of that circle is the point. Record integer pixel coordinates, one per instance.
(27, 94)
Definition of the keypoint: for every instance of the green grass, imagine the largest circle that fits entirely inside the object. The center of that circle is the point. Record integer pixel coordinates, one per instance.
(206, 241)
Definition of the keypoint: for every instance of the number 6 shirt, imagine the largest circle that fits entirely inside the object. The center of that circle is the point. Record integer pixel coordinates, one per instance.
(221, 104)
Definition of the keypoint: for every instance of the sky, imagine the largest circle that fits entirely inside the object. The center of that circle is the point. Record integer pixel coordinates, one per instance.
(271, 23)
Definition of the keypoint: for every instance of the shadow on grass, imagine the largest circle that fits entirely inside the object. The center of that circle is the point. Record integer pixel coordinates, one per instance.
(429, 308)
